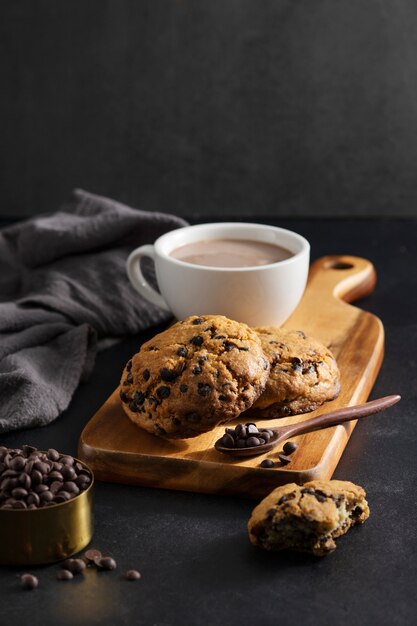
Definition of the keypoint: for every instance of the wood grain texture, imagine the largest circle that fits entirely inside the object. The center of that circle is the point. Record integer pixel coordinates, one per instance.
(119, 451)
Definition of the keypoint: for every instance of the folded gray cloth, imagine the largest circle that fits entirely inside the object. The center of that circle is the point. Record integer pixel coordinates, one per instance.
(63, 287)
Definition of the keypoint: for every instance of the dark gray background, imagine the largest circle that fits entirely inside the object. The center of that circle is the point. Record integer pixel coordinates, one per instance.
(204, 108)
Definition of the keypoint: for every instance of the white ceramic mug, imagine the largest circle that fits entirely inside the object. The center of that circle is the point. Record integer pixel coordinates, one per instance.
(261, 295)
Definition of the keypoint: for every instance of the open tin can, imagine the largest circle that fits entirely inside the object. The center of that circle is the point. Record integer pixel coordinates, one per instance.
(47, 534)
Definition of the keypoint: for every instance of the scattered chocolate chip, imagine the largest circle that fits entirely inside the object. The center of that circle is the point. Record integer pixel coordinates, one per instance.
(182, 351)
(228, 345)
(28, 581)
(76, 566)
(183, 388)
(123, 396)
(107, 563)
(282, 500)
(133, 407)
(146, 374)
(129, 365)
(197, 370)
(163, 392)
(267, 463)
(223, 398)
(284, 459)
(64, 574)
(289, 447)
(197, 321)
(129, 378)
(91, 554)
(132, 574)
(197, 340)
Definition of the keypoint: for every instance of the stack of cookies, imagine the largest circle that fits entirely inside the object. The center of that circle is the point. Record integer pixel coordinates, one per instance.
(207, 370)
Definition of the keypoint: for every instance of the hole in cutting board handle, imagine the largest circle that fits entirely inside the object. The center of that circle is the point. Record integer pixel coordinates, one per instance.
(339, 265)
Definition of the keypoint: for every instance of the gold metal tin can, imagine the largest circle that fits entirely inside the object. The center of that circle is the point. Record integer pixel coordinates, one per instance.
(48, 534)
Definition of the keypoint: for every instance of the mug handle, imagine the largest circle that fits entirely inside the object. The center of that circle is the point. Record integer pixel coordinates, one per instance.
(137, 278)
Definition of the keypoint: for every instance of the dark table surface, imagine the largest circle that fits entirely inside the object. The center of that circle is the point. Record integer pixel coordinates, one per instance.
(196, 562)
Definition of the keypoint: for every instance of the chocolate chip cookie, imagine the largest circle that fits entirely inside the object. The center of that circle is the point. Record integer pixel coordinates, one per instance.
(198, 373)
(304, 374)
(307, 518)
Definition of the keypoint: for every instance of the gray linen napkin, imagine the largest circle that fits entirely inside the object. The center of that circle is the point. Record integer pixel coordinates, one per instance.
(63, 287)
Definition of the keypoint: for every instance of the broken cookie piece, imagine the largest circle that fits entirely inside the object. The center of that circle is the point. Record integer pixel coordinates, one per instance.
(309, 517)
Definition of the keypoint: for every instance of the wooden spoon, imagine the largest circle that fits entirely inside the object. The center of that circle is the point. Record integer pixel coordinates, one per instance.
(315, 423)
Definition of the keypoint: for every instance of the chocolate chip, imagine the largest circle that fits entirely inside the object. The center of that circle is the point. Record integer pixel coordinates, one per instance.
(167, 375)
(223, 398)
(132, 574)
(17, 464)
(133, 407)
(19, 493)
(282, 500)
(64, 574)
(159, 431)
(28, 581)
(267, 463)
(241, 431)
(107, 563)
(289, 447)
(124, 398)
(227, 441)
(320, 495)
(197, 340)
(308, 490)
(197, 370)
(182, 351)
(146, 374)
(183, 388)
(198, 320)
(91, 554)
(67, 459)
(204, 390)
(229, 345)
(139, 397)
(252, 441)
(129, 365)
(76, 566)
(252, 429)
(284, 459)
(163, 392)
(129, 378)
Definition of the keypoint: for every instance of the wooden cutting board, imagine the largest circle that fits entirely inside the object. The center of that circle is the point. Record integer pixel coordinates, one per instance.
(119, 451)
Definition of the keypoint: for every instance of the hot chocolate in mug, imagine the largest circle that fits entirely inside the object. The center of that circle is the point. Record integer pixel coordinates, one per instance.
(252, 273)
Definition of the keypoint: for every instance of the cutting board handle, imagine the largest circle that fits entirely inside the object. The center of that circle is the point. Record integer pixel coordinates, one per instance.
(348, 278)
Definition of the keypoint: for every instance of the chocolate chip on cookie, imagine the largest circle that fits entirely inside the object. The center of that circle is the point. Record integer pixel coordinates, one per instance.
(183, 383)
